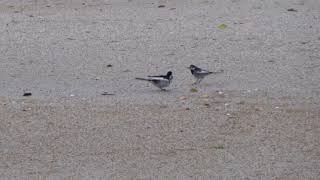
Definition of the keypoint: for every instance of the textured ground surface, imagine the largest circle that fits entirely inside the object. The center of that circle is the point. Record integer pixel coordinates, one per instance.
(259, 119)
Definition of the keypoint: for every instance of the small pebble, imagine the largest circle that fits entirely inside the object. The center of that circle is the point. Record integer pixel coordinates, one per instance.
(241, 102)
(258, 108)
(161, 6)
(72, 95)
(106, 93)
(293, 10)
(205, 96)
(27, 94)
(109, 65)
(182, 98)
(26, 109)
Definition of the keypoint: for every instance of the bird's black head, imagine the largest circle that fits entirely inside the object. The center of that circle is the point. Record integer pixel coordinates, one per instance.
(192, 67)
(169, 75)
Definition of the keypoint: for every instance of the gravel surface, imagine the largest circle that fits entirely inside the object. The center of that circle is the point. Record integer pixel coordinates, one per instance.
(258, 119)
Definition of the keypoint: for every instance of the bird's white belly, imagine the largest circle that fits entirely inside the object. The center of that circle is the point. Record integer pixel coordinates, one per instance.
(162, 84)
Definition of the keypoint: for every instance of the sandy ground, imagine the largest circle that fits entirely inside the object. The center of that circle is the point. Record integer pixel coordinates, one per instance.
(259, 119)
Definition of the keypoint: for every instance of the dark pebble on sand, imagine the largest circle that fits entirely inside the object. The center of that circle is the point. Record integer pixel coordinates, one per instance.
(107, 94)
(292, 10)
(27, 94)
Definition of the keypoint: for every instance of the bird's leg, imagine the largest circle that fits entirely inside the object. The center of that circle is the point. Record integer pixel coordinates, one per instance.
(195, 82)
(199, 80)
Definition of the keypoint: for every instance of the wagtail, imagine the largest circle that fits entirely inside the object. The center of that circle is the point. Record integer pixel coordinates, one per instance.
(198, 73)
(161, 81)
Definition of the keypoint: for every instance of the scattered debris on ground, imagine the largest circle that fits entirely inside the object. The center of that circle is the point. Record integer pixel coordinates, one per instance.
(292, 10)
(194, 90)
(27, 93)
(222, 26)
(107, 94)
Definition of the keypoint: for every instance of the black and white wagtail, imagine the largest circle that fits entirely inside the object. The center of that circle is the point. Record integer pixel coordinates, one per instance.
(161, 81)
(198, 73)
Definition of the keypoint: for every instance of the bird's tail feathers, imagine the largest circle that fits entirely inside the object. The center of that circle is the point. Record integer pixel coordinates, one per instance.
(143, 79)
(217, 72)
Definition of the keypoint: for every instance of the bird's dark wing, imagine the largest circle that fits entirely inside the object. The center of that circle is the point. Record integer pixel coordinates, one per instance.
(197, 68)
(202, 71)
(156, 81)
